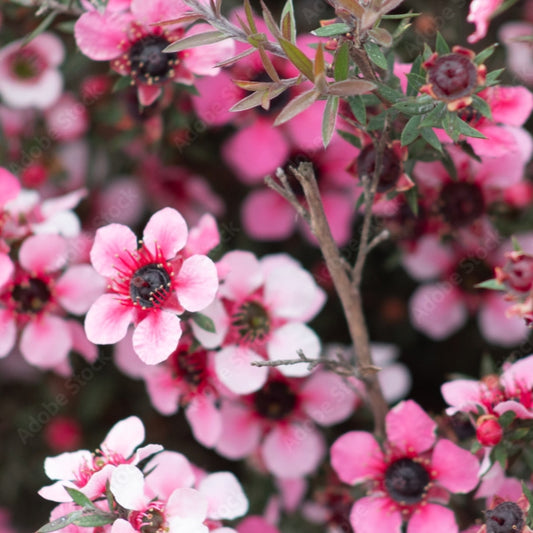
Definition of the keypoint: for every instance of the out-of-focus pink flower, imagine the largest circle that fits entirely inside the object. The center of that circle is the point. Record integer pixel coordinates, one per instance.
(149, 285)
(29, 75)
(410, 477)
(63, 434)
(519, 50)
(67, 119)
(480, 13)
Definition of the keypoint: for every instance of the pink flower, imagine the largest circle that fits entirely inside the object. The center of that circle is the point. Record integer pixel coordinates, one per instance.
(149, 285)
(130, 36)
(409, 478)
(29, 75)
(278, 421)
(480, 13)
(519, 50)
(260, 313)
(38, 295)
(89, 472)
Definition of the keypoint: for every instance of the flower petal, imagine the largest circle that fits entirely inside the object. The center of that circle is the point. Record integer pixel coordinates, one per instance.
(43, 253)
(8, 332)
(159, 480)
(127, 486)
(125, 436)
(205, 420)
(369, 515)
(240, 432)
(167, 230)
(242, 276)
(78, 288)
(225, 496)
(457, 468)
(432, 518)
(110, 243)
(188, 504)
(234, 369)
(107, 320)
(156, 336)
(197, 283)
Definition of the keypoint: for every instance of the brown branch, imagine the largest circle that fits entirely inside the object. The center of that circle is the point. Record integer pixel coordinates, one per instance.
(285, 190)
(57, 7)
(349, 294)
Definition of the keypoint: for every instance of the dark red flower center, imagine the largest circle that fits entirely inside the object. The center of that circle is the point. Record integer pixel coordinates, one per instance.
(390, 167)
(152, 521)
(150, 285)
(252, 321)
(190, 365)
(461, 203)
(31, 296)
(406, 481)
(148, 61)
(26, 64)
(472, 271)
(505, 518)
(452, 76)
(275, 400)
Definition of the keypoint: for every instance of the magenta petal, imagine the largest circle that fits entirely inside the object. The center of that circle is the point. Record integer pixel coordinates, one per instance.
(156, 336)
(8, 332)
(293, 450)
(410, 428)
(370, 515)
(78, 288)
(46, 341)
(148, 94)
(234, 369)
(168, 230)
(356, 456)
(432, 518)
(99, 36)
(6, 268)
(107, 320)
(110, 242)
(204, 236)
(9, 186)
(516, 407)
(457, 469)
(43, 253)
(205, 420)
(197, 283)
(157, 10)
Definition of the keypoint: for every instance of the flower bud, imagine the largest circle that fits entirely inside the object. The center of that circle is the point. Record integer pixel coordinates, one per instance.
(488, 430)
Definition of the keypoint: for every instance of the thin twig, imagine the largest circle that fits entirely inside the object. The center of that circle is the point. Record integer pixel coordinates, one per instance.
(58, 7)
(285, 190)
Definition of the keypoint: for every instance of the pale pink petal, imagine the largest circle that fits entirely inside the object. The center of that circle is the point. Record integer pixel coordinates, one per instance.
(437, 310)
(410, 428)
(197, 283)
(99, 36)
(243, 275)
(480, 13)
(462, 395)
(267, 144)
(356, 456)
(221, 321)
(43, 253)
(204, 236)
(267, 216)
(395, 381)
(457, 468)
(519, 372)
(107, 320)
(233, 365)
(157, 10)
(290, 291)
(46, 341)
(122, 526)
(9, 186)
(166, 230)
(431, 518)
(293, 450)
(110, 242)
(241, 432)
(225, 496)
(78, 288)
(369, 515)
(205, 420)
(327, 399)
(124, 436)
(127, 486)
(285, 343)
(516, 407)
(162, 389)
(8, 332)
(500, 172)
(146, 451)
(127, 361)
(56, 491)
(156, 336)
(159, 480)
(66, 465)
(256, 524)
(429, 260)
(292, 492)
(186, 503)
(80, 342)
(496, 326)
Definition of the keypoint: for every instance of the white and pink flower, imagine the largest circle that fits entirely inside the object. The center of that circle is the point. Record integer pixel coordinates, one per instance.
(150, 284)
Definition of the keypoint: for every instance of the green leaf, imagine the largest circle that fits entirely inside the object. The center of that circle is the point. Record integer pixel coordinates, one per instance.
(298, 58)
(204, 322)
(400, 16)
(482, 106)
(61, 522)
(377, 122)
(485, 54)
(411, 195)
(441, 46)
(44, 24)
(476, 446)
(431, 138)
(376, 55)
(357, 105)
(499, 453)
(390, 94)
(466, 129)
(516, 245)
(506, 419)
(416, 106)
(435, 117)
(350, 137)
(350, 87)
(95, 520)
(450, 126)
(341, 66)
(527, 453)
(80, 498)
(528, 494)
(331, 30)
(492, 77)
(66, 27)
(297, 106)
(121, 83)
(288, 21)
(415, 81)
(410, 131)
(193, 41)
(329, 119)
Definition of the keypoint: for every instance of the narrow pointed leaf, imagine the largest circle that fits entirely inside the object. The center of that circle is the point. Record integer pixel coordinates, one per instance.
(482, 106)
(298, 58)
(61, 522)
(466, 129)
(234, 59)
(80, 498)
(270, 22)
(329, 119)
(350, 87)
(204, 322)
(193, 41)
(431, 138)
(357, 105)
(441, 46)
(248, 102)
(350, 137)
(319, 67)
(410, 130)
(381, 36)
(44, 24)
(94, 520)
(250, 16)
(352, 7)
(330, 30)
(288, 21)
(492, 284)
(485, 54)
(267, 63)
(296, 106)
(376, 55)
(342, 63)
